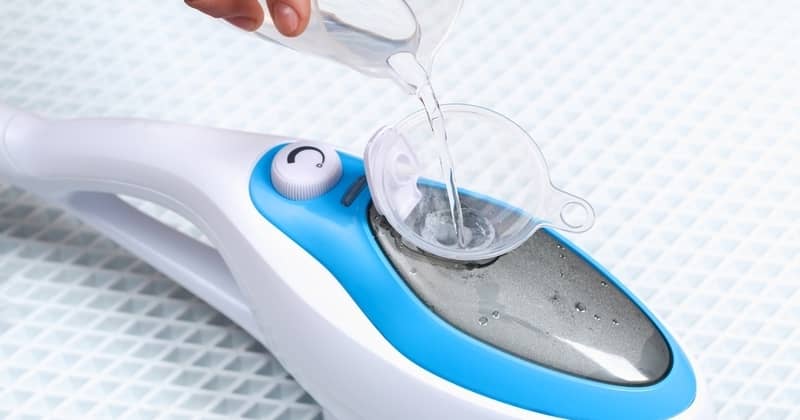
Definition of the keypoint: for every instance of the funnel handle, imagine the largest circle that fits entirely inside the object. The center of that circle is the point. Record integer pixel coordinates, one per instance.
(569, 212)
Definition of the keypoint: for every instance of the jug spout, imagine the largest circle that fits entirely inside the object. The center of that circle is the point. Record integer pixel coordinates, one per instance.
(364, 34)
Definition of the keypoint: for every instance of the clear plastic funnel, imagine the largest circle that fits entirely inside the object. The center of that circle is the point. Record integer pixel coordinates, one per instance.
(504, 185)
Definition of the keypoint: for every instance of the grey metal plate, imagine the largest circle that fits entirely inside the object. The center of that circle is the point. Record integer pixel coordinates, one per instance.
(541, 302)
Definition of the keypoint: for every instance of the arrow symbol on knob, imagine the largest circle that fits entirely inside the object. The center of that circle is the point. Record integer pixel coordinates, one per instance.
(293, 154)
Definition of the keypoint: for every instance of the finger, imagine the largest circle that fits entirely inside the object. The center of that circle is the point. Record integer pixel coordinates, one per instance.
(290, 16)
(246, 14)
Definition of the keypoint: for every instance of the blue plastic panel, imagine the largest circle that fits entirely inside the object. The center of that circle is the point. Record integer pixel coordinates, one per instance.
(358, 263)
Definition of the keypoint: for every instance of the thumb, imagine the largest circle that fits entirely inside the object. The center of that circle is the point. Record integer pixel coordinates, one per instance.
(290, 16)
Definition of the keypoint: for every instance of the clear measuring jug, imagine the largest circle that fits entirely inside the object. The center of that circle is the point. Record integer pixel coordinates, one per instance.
(364, 34)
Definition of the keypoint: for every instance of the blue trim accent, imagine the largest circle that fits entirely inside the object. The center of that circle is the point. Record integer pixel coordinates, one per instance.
(340, 238)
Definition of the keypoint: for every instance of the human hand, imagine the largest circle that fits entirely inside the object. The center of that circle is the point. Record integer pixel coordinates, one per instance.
(290, 16)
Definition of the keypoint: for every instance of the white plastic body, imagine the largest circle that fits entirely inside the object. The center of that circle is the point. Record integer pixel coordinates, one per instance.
(257, 276)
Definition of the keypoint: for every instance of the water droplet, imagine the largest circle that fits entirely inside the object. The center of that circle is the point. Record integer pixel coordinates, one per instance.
(603, 283)
(496, 314)
(413, 271)
(580, 307)
(562, 256)
(483, 320)
(561, 274)
(614, 322)
(596, 317)
(559, 246)
(554, 298)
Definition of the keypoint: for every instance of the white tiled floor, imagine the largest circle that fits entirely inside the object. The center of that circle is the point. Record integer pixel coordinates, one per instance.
(680, 122)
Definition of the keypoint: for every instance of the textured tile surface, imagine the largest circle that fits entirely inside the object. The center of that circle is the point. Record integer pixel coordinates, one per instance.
(680, 122)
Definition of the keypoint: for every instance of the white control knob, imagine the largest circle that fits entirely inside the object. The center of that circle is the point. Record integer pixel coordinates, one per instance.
(305, 170)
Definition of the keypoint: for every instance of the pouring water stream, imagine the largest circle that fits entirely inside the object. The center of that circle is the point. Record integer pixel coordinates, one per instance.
(411, 72)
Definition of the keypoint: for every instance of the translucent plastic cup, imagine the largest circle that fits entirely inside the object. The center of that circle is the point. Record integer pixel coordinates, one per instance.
(364, 34)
